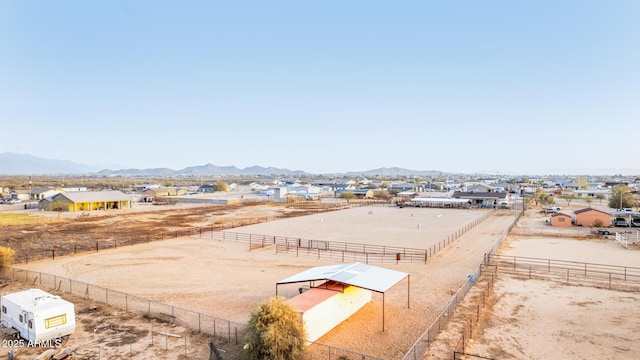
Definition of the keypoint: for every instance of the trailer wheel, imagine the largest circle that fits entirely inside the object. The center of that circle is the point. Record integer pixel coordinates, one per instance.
(63, 340)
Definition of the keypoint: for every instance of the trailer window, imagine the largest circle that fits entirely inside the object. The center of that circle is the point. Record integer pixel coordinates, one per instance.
(4, 309)
(30, 324)
(55, 321)
(21, 318)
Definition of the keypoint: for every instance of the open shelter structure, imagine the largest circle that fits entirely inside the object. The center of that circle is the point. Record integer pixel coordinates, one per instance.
(341, 277)
(632, 218)
(440, 202)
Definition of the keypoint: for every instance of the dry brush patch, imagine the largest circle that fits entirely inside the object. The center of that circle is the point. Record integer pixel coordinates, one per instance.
(66, 235)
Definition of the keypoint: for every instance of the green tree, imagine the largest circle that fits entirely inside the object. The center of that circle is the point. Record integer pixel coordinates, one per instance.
(542, 197)
(588, 200)
(167, 183)
(274, 332)
(347, 195)
(583, 183)
(621, 197)
(546, 199)
(600, 197)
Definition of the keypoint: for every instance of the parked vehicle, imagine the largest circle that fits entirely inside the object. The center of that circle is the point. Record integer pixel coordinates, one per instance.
(620, 222)
(551, 208)
(635, 222)
(602, 232)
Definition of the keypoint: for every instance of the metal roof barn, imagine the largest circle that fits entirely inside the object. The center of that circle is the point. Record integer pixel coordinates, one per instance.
(356, 274)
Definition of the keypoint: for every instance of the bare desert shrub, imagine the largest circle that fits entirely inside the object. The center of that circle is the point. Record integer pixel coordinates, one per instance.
(6, 257)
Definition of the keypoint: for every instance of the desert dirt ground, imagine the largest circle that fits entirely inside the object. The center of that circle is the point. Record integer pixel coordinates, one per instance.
(227, 280)
(541, 319)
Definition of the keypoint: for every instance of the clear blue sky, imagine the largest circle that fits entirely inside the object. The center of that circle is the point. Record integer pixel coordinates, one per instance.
(506, 87)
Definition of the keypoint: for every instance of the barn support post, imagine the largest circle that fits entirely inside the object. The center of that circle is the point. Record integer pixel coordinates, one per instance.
(383, 312)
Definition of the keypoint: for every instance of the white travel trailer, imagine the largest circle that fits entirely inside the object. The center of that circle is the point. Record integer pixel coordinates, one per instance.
(37, 315)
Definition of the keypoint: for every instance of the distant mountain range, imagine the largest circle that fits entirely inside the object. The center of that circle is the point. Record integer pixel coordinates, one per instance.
(22, 164)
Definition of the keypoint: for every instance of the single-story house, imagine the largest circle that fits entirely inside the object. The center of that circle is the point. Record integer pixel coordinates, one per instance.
(592, 193)
(22, 195)
(357, 193)
(164, 191)
(407, 187)
(561, 219)
(590, 216)
(208, 188)
(146, 187)
(484, 199)
(73, 187)
(86, 201)
(254, 186)
(43, 193)
(331, 184)
(479, 187)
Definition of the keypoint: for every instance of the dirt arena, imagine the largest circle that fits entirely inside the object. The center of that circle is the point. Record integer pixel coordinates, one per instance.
(228, 281)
